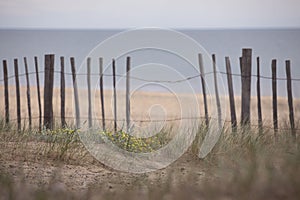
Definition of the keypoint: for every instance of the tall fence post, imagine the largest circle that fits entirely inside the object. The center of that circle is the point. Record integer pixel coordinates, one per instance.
(28, 93)
(48, 91)
(6, 93)
(290, 97)
(217, 91)
(274, 90)
(18, 93)
(246, 65)
(38, 91)
(102, 92)
(259, 113)
(202, 76)
(231, 95)
(62, 92)
(90, 119)
(128, 100)
(115, 94)
(128, 93)
(76, 99)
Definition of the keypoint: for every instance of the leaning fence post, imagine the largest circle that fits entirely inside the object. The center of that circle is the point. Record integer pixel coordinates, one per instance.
(274, 90)
(231, 94)
(89, 92)
(115, 94)
(290, 97)
(102, 92)
(28, 92)
(245, 65)
(259, 113)
(38, 91)
(6, 98)
(62, 92)
(18, 93)
(202, 76)
(76, 99)
(217, 91)
(48, 91)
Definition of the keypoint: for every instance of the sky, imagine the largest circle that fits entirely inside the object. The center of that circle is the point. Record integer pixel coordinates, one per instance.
(101, 14)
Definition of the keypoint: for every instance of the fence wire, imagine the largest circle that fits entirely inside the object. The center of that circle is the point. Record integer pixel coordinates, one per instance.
(157, 81)
(160, 120)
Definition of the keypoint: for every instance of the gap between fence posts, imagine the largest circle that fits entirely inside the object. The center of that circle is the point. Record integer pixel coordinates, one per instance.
(102, 92)
(76, 99)
(259, 113)
(202, 76)
(28, 93)
(62, 92)
(290, 98)
(48, 91)
(217, 92)
(231, 95)
(246, 65)
(274, 90)
(115, 94)
(18, 93)
(6, 93)
(38, 91)
(90, 119)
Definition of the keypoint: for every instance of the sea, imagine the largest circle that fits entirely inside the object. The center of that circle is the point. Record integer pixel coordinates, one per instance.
(156, 70)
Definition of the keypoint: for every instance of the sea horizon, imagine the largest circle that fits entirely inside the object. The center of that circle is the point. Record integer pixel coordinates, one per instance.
(275, 43)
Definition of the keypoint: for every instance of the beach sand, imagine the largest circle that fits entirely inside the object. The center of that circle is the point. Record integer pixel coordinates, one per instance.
(145, 106)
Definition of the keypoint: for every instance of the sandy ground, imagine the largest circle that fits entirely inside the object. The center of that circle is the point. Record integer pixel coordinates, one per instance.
(30, 166)
(146, 106)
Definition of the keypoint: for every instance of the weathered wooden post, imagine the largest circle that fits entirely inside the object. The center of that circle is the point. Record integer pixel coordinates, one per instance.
(115, 94)
(128, 100)
(290, 97)
(62, 92)
(6, 93)
(202, 76)
(259, 113)
(18, 93)
(274, 90)
(217, 92)
(28, 93)
(246, 66)
(48, 91)
(231, 95)
(102, 92)
(90, 119)
(38, 91)
(76, 99)
(128, 94)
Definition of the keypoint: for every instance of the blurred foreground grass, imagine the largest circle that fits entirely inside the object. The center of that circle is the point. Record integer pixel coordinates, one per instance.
(244, 165)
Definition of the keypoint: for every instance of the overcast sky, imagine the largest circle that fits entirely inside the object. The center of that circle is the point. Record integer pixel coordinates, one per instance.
(157, 13)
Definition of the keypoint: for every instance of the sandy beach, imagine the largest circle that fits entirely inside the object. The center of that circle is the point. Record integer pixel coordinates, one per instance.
(145, 106)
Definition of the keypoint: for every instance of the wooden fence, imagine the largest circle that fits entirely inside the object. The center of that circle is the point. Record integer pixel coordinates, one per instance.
(246, 78)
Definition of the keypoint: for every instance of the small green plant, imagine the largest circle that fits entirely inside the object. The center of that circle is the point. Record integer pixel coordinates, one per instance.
(61, 139)
(134, 144)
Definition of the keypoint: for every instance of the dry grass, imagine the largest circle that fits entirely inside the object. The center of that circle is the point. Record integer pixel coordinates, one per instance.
(247, 165)
(242, 166)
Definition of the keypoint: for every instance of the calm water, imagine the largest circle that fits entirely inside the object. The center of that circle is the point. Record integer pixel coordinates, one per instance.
(268, 44)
